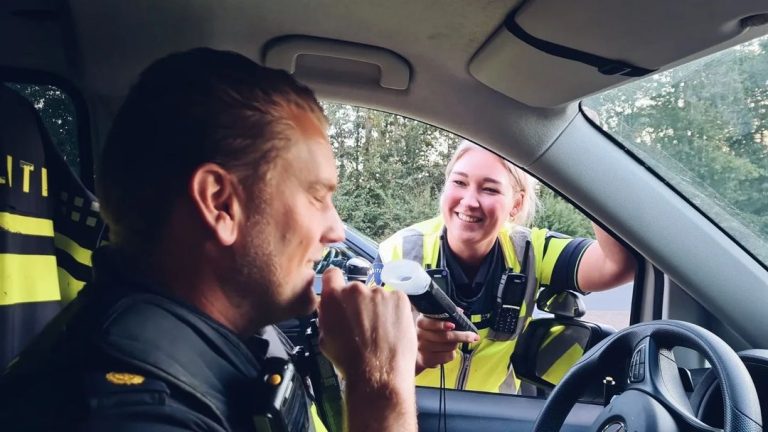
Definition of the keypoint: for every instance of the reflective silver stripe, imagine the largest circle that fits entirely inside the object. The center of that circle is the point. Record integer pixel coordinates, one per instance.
(413, 245)
(509, 385)
(466, 362)
(519, 237)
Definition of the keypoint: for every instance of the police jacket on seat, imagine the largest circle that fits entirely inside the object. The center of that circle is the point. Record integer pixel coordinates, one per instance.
(49, 225)
(124, 357)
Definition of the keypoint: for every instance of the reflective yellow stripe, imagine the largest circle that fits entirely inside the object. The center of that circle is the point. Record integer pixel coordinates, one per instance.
(79, 253)
(26, 224)
(28, 278)
(319, 426)
(44, 178)
(69, 285)
(487, 372)
(490, 365)
(548, 261)
(558, 370)
(553, 332)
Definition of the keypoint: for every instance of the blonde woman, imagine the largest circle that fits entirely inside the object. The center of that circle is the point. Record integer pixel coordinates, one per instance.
(480, 244)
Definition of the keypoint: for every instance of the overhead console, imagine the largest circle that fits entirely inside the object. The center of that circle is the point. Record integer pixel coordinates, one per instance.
(603, 43)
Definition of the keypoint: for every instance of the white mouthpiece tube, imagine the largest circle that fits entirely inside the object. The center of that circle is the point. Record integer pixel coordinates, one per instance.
(406, 276)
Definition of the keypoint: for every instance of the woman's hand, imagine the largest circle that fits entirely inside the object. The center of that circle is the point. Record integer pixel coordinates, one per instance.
(438, 342)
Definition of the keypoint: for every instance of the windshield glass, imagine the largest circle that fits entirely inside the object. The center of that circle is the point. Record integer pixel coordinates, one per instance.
(703, 127)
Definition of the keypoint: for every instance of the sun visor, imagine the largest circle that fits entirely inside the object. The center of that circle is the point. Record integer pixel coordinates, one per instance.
(552, 52)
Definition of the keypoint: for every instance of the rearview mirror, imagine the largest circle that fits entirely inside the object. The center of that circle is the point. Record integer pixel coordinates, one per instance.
(549, 347)
(561, 303)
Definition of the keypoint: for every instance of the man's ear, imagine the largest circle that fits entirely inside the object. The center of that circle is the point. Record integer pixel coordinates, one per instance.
(216, 194)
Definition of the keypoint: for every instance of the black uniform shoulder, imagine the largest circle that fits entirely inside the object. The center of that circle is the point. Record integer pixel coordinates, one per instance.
(144, 362)
(128, 401)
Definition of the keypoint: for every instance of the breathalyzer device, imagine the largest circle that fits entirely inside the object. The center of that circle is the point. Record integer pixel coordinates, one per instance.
(410, 278)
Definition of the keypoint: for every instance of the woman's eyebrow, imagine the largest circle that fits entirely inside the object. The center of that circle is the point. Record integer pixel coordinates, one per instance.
(485, 179)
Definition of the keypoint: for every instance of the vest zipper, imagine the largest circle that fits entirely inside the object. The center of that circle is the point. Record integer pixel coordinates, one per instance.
(466, 361)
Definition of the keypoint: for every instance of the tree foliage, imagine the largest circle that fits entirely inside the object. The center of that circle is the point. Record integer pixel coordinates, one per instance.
(390, 168)
(704, 126)
(391, 173)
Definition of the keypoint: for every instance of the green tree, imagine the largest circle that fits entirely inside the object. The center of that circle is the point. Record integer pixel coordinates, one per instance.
(706, 122)
(391, 173)
(556, 214)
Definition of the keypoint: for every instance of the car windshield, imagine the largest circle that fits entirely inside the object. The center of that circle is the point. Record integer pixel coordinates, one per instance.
(703, 127)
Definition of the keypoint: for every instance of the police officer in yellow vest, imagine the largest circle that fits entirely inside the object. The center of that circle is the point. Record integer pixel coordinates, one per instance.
(492, 267)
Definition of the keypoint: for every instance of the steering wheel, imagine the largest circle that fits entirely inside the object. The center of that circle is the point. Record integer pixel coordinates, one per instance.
(654, 399)
(325, 262)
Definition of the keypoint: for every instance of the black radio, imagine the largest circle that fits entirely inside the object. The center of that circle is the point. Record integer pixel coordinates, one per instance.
(509, 300)
(281, 402)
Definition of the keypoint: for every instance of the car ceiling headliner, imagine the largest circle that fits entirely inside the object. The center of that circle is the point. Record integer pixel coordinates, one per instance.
(119, 38)
(100, 46)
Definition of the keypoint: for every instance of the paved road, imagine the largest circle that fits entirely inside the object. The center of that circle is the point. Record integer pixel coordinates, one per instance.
(608, 307)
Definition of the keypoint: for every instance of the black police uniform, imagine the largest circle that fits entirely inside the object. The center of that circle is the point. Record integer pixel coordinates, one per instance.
(122, 357)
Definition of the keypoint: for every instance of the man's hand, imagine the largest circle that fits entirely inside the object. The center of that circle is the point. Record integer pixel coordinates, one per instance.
(370, 337)
(438, 342)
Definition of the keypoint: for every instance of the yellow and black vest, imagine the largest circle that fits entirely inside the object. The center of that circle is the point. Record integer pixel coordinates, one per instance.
(485, 365)
(49, 225)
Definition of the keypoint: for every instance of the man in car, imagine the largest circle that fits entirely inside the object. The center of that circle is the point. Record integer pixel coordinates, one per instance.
(216, 182)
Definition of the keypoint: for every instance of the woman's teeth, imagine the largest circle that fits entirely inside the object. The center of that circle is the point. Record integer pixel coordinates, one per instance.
(467, 218)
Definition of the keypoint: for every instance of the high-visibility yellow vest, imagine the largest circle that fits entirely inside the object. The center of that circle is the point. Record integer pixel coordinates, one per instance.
(49, 225)
(485, 366)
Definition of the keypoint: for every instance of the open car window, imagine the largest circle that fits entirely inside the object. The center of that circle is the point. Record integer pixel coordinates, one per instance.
(391, 174)
(703, 127)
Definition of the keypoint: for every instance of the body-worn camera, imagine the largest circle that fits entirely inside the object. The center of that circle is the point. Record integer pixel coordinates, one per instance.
(281, 402)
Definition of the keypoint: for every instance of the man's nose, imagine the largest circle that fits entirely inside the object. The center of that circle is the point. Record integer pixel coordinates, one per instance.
(335, 230)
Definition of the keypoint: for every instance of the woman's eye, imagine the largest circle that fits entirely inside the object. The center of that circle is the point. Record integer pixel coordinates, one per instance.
(459, 183)
(491, 190)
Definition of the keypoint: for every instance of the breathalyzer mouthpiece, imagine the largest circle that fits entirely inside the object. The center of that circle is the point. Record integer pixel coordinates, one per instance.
(410, 278)
(406, 276)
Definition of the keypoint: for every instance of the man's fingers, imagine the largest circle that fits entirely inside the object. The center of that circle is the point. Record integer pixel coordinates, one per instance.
(333, 278)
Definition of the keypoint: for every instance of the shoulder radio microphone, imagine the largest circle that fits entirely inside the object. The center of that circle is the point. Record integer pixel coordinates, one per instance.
(409, 277)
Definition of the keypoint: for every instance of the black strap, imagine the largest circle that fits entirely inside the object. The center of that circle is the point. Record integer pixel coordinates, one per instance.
(603, 65)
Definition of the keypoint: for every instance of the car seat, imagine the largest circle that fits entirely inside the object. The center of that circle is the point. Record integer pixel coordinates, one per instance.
(49, 226)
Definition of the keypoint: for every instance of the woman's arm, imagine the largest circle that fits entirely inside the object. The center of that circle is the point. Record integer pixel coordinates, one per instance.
(605, 264)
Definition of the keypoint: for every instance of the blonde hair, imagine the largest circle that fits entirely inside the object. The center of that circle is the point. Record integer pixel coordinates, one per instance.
(520, 180)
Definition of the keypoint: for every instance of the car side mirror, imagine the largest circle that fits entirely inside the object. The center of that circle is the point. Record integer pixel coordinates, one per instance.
(357, 269)
(561, 303)
(549, 347)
